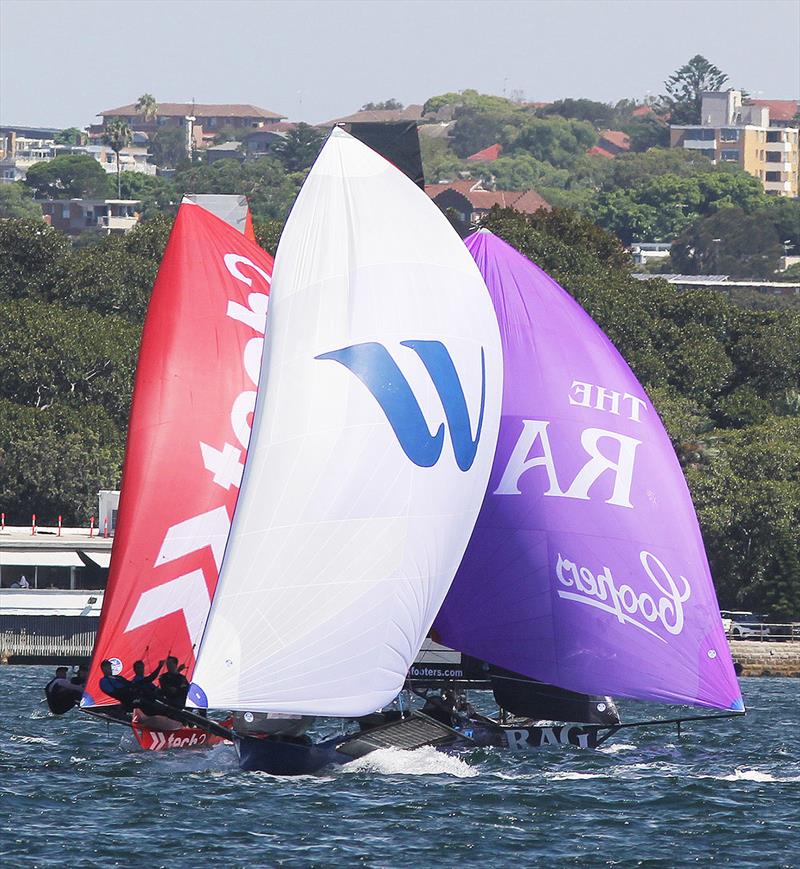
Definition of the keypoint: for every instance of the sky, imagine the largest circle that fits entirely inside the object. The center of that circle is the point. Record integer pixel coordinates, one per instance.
(63, 61)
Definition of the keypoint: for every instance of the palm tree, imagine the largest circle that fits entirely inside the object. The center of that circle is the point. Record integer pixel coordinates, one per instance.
(147, 106)
(117, 136)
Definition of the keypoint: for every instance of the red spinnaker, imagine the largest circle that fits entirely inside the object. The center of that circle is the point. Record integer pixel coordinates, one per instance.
(189, 429)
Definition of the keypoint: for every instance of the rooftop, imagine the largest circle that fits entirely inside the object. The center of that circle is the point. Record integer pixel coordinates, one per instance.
(376, 116)
(219, 110)
(526, 201)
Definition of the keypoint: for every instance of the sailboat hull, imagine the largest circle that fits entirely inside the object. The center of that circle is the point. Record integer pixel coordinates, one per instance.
(279, 757)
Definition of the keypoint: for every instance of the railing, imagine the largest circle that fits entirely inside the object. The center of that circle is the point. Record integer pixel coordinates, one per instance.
(764, 631)
(46, 637)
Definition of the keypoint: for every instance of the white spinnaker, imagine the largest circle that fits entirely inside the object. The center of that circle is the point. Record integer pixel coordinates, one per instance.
(342, 549)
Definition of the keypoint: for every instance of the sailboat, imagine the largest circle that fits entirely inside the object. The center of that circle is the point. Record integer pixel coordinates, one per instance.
(373, 438)
(585, 567)
(188, 436)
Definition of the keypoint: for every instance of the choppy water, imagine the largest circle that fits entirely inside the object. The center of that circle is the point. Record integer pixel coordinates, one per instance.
(726, 793)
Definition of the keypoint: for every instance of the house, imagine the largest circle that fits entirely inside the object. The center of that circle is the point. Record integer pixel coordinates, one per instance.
(259, 143)
(226, 151)
(732, 131)
(468, 201)
(107, 216)
(203, 120)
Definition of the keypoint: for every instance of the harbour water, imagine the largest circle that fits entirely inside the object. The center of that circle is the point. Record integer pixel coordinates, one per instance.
(721, 793)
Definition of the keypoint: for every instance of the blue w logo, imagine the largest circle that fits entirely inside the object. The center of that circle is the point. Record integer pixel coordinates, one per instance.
(374, 367)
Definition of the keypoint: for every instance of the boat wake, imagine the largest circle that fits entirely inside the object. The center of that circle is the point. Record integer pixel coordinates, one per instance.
(420, 761)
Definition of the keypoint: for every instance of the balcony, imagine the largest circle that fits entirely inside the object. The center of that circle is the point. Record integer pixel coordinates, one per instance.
(780, 147)
(699, 144)
(769, 166)
(112, 223)
(778, 186)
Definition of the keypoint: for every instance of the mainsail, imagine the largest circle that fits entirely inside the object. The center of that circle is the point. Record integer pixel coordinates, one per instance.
(372, 442)
(586, 569)
(189, 429)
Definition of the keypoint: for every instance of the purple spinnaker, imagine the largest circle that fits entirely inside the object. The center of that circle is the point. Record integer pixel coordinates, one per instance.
(586, 568)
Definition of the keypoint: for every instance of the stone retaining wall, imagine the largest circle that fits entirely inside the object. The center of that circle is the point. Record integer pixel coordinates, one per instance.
(766, 659)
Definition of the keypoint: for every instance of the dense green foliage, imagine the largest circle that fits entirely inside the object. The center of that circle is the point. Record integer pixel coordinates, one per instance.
(69, 177)
(16, 200)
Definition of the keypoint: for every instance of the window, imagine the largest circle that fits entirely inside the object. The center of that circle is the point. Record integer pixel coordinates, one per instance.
(773, 157)
(52, 577)
(773, 176)
(702, 134)
(774, 136)
(729, 135)
(730, 156)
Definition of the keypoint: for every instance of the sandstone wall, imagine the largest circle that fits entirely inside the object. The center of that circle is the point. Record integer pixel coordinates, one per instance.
(766, 659)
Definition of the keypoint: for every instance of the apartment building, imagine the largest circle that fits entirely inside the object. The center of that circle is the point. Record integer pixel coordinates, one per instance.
(731, 132)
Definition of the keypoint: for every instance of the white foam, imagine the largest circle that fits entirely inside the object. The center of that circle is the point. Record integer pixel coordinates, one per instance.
(616, 747)
(421, 761)
(32, 740)
(566, 776)
(748, 775)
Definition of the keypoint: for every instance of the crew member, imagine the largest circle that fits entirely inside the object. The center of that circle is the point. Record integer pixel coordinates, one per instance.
(61, 694)
(174, 685)
(81, 675)
(117, 687)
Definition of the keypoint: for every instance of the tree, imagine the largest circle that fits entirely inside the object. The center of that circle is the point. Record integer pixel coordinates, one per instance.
(147, 107)
(685, 86)
(33, 259)
(70, 136)
(73, 176)
(729, 242)
(300, 147)
(168, 147)
(118, 135)
(156, 192)
(16, 201)
(386, 105)
(599, 114)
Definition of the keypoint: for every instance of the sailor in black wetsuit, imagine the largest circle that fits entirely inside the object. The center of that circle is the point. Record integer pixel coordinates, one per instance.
(117, 687)
(80, 676)
(61, 694)
(174, 685)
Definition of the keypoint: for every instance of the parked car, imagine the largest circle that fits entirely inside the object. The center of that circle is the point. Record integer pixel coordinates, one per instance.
(746, 625)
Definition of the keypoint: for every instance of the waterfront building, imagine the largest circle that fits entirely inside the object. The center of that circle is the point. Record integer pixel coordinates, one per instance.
(731, 131)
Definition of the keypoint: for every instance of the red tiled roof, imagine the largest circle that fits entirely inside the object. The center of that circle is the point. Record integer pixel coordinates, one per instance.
(526, 201)
(641, 111)
(205, 110)
(486, 155)
(617, 138)
(597, 151)
(779, 110)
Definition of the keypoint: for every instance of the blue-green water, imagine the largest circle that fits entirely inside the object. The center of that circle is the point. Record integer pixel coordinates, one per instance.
(724, 793)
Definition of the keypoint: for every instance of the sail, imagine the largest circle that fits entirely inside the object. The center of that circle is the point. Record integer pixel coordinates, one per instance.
(189, 428)
(373, 438)
(586, 569)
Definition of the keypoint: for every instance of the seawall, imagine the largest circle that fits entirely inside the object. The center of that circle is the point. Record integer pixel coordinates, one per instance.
(766, 659)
